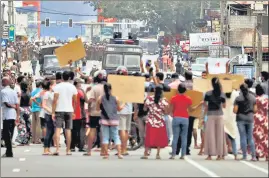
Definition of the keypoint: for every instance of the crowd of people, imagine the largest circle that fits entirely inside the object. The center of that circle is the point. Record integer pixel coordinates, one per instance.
(62, 103)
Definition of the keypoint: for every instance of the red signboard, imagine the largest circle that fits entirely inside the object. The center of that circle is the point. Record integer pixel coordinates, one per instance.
(35, 4)
(103, 19)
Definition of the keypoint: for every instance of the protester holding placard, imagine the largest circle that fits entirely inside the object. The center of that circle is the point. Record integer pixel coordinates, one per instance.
(155, 124)
(215, 142)
(180, 105)
(109, 105)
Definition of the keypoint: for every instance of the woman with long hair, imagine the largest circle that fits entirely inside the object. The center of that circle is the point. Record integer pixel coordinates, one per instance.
(215, 142)
(156, 135)
(244, 108)
(109, 105)
(24, 127)
(47, 106)
(260, 131)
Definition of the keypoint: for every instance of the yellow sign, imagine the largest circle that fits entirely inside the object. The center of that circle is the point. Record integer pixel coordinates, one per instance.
(204, 85)
(128, 88)
(196, 97)
(70, 52)
(167, 95)
(236, 79)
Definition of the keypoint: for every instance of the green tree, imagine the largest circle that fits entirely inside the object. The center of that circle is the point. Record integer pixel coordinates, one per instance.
(173, 17)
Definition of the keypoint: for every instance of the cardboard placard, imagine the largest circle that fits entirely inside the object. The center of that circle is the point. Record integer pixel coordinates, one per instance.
(236, 79)
(167, 95)
(204, 85)
(70, 52)
(196, 97)
(26, 67)
(128, 88)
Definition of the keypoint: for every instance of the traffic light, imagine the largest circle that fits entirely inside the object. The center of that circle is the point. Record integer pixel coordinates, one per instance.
(47, 22)
(70, 23)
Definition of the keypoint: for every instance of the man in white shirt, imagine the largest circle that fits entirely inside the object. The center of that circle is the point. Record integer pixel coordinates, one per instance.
(11, 113)
(64, 102)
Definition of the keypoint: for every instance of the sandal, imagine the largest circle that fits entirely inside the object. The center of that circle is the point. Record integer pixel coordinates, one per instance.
(172, 158)
(106, 157)
(68, 154)
(182, 157)
(120, 157)
(56, 154)
(158, 157)
(103, 154)
(144, 157)
(46, 154)
(208, 158)
(87, 154)
(253, 159)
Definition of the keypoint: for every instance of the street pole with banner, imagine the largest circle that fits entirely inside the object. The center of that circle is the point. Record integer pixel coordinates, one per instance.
(1, 35)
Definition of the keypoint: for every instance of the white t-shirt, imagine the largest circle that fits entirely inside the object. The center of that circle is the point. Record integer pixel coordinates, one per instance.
(49, 97)
(17, 88)
(66, 91)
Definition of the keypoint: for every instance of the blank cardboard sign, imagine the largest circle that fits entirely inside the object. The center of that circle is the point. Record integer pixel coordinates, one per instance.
(196, 98)
(128, 88)
(70, 52)
(204, 85)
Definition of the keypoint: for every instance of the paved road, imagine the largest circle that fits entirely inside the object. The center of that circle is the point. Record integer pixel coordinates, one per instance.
(28, 162)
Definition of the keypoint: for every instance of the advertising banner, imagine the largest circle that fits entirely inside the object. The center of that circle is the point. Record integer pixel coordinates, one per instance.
(201, 41)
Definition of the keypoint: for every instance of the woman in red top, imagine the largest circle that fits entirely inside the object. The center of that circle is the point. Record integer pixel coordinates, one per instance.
(180, 104)
(156, 135)
(77, 119)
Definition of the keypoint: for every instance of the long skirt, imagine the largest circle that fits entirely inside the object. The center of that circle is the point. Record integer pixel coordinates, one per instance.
(215, 140)
(156, 137)
(24, 127)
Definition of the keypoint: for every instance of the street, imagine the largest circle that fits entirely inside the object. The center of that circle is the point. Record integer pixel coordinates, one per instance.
(29, 162)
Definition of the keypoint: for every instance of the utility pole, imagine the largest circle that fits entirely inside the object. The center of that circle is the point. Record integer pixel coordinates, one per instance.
(9, 12)
(222, 8)
(12, 13)
(2, 8)
(259, 45)
(254, 43)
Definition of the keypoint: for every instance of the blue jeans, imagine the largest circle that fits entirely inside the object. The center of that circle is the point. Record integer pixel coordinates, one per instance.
(246, 137)
(233, 144)
(110, 132)
(180, 129)
(50, 131)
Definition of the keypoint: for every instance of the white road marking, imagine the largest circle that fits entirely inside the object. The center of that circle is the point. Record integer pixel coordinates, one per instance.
(25, 151)
(201, 168)
(255, 167)
(22, 159)
(16, 170)
(252, 166)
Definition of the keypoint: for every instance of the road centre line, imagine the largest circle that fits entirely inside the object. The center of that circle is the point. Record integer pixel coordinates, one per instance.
(26, 151)
(255, 167)
(201, 168)
(16, 170)
(252, 166)
(22, 159)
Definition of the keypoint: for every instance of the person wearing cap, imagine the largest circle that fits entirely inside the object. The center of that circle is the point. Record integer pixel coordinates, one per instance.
(77, 120)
